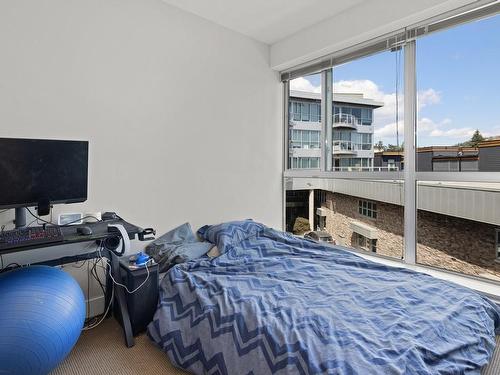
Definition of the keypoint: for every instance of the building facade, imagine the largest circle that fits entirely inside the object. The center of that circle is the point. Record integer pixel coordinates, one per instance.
(352, 145)
(389, 160)
(376, 226)
(447, 159)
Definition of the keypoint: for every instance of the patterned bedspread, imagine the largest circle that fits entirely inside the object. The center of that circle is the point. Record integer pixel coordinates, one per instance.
(275, 304)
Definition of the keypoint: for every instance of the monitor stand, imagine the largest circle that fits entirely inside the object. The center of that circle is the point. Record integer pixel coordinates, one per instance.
(20, 218)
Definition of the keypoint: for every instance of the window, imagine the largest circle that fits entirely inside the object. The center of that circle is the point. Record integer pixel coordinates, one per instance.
(305, 163)
(306, 139)
(451, 70)
(367, 208)
(457, 133)
(305, 111)
(366, 116)
(367, 244)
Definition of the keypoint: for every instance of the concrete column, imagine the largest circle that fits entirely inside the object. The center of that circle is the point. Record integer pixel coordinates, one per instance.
(311, 209)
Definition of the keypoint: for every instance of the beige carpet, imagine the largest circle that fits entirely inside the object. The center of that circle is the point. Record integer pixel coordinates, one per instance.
(102, 351)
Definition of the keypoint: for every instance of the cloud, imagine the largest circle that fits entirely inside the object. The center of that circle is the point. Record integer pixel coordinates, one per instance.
(428, 97)
(453, 133)
(389, 130)
(428, 128)
(302, 84)
(425, 127)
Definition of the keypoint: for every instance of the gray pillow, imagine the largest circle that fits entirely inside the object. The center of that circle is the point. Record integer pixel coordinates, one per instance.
(177, 246)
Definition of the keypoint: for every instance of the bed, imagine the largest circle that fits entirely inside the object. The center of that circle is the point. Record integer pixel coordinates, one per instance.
(273, 303)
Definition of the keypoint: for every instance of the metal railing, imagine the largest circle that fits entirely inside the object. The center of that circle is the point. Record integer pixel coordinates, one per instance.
(366, 169)
(345, 119)
(348, 146)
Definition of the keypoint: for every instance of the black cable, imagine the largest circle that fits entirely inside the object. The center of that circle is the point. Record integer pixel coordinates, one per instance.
(8, 266)
(93, 272)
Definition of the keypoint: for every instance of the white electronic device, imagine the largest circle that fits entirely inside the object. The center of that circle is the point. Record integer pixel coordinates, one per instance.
(70, 219)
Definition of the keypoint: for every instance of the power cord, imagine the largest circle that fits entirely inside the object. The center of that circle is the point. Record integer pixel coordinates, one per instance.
(105, 260)
(107, 268)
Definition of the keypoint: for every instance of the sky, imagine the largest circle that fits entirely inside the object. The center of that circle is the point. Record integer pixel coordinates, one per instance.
(458, 84)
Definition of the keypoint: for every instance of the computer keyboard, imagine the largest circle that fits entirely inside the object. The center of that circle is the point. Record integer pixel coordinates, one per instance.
(30, 236)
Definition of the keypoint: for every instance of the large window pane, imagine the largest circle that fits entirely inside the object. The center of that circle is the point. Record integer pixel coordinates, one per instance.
(365, 215)
(367, 104)
(458, 130)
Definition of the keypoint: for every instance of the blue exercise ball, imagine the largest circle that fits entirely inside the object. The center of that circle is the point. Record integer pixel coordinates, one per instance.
(42, 312)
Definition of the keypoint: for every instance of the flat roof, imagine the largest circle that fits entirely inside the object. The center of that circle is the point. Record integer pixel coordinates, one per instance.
(478, 201)
(490, 143)
(350, 98)
(446, 148)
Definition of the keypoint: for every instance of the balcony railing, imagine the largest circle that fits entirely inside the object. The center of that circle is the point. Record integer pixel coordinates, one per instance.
(366, 169)
(350, 147)
(344, 119)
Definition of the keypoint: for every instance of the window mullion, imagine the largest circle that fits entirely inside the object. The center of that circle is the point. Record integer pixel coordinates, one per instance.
(286, 144)
(410, 119)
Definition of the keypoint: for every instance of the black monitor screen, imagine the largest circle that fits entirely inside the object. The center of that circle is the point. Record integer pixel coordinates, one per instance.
(35, 170)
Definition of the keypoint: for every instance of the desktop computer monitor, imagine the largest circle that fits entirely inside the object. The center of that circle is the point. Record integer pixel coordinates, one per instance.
(35, 172)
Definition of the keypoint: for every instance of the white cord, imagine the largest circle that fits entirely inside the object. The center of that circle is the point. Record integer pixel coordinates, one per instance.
(106, 261)
(122, 285)
(103, 315)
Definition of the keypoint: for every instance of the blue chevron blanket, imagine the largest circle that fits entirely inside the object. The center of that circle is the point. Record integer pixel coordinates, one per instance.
(273, 303)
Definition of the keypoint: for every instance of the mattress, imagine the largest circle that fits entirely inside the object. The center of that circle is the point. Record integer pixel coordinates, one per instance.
(273, 303)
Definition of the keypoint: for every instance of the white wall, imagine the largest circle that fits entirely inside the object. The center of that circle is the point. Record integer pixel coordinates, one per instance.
(183, 116)
(365, 21)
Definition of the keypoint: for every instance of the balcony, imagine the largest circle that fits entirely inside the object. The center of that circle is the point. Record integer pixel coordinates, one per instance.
(350, 148)
(366, 169)
(343, 120)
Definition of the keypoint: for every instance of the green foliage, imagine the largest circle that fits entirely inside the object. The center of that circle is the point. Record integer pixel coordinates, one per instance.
(380, 145)
(475, 140)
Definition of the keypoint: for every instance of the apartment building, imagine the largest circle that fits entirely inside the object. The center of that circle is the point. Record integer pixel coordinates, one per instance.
(352, 121)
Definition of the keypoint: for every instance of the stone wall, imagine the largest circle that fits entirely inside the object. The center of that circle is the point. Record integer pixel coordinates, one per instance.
(448, 242)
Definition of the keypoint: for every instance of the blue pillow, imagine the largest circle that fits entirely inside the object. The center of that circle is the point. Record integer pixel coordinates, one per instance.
(230, 233)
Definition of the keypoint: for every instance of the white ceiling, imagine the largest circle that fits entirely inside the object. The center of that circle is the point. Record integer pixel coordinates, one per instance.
(267, 21)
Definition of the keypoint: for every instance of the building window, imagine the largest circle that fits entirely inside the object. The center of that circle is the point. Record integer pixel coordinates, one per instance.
(300, 111)
(304, 163)
(367, 208)
(365, 243)
(305, 139)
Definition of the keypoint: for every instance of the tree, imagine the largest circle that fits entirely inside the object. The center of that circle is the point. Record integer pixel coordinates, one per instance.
(474, 141)
(395, 147)
(380, 146)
